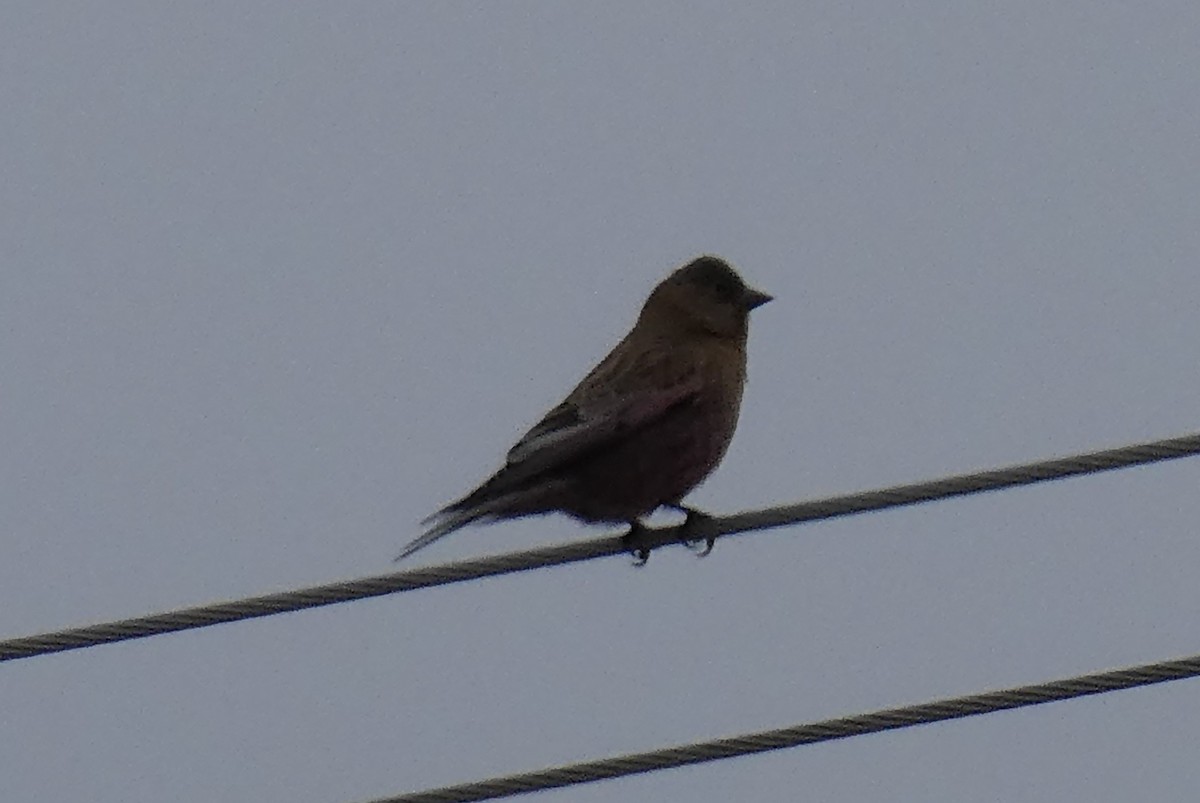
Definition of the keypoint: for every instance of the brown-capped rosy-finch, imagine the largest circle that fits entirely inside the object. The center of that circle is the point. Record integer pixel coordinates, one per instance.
(645, 427)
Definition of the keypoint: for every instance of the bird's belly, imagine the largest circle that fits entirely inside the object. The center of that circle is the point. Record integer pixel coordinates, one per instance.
(656, 466)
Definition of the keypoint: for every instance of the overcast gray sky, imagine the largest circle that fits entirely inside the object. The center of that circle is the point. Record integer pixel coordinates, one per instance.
(279, 280)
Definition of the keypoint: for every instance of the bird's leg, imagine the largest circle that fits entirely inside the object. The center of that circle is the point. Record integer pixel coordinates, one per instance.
(641, 554)
(694, 517)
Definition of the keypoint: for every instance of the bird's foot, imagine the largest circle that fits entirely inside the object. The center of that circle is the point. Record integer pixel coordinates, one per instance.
(632, 539)
(700, 546)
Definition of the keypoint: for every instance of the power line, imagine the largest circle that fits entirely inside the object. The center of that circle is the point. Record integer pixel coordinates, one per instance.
(812, 733)
(897, 496)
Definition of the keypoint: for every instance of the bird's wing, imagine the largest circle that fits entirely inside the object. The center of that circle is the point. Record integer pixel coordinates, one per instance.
(588, 421)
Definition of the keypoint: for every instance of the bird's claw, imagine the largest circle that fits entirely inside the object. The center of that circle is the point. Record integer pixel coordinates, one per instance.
(641, 554)
(700, 547)
(695, 517)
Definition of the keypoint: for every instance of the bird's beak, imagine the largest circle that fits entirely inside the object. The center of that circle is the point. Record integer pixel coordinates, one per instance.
(755, 298)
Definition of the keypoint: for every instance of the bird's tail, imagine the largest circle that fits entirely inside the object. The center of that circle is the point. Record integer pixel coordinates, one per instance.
(480, 505)
(444, 522)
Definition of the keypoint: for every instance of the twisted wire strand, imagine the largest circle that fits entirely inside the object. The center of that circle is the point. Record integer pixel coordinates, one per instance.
(649, 538)
(812, 733)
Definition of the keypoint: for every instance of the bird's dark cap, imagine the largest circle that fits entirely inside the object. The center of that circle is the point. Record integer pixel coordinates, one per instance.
(712, 271)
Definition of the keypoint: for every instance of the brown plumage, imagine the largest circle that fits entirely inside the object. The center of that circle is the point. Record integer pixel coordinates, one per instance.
(644, 427)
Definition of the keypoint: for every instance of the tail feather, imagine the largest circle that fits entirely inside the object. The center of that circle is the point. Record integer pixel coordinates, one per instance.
(476, 506)
(447, 521)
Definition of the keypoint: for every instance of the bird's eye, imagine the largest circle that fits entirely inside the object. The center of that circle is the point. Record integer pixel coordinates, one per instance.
(727, 290)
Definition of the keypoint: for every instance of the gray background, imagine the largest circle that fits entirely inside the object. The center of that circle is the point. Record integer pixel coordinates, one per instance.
(279, 280)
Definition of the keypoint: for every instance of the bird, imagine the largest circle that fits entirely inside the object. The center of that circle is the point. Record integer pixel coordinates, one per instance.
(643, 428)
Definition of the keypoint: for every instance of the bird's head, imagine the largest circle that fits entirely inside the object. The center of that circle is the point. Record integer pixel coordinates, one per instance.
(704, 295)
